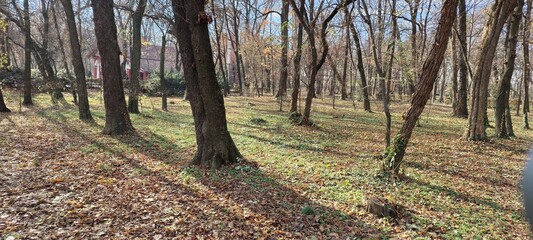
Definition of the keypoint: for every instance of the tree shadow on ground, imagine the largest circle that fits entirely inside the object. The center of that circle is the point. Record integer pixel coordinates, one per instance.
(252, 199)
(457, 195)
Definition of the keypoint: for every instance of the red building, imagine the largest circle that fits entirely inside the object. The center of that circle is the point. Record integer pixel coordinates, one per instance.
(150, 60)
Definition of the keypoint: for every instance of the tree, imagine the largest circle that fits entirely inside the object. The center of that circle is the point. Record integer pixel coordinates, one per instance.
(414, 5)
(162, 80)
(297, 62)
(428, 76)
(215, 147)
(360, 64)
(460, 108)
(526, 73)
(384, 80)
(284, 74)
(27, 56)
(477, 119)
(117, 118)
(313, 36)
(135, 87)
(4, 59)
(504, 126)
(77, 62)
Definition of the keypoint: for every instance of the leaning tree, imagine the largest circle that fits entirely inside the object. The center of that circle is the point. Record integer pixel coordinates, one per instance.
(430, 71)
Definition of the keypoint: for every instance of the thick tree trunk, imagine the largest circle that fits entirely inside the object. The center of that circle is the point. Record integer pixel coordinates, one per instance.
(297, 62)
(135, 86)
(3, 107)
(461, 109)
(215, 145)
(27, 56)
(503, 122)
(77, 62)
(284, 71)
(117, 120)
(162, 80)
(526, 73)
(4, 61)
(491, 33)
(428, 76)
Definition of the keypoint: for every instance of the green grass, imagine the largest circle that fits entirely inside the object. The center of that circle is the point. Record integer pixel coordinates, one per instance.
(455, 189)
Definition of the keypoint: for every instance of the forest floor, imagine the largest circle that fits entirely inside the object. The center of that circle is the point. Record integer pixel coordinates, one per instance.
(60, 178)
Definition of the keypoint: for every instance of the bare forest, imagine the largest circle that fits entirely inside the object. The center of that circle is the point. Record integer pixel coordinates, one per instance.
(262, 119)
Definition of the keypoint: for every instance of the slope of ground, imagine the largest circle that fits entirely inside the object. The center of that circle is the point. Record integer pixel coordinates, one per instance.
(60, 178)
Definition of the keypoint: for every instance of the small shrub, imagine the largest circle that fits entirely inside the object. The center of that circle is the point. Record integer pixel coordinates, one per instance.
(308, 211)
(295, 117)
(258, 121)
(175, 84)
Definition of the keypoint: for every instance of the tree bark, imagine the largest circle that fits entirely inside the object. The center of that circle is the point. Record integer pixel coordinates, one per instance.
(499, 14)
(344, 94)
(413, 9)
(428, 76)
(162, 80)
(376, 52)
(4, 58)
(117, 120)
(297, 62)
(504, 127)
(215, 145)
(135, 86)
(27, 56)
(460, 109)
(527, 65)
(360, 67)
(219, 52)
(64, 55)
(77, 62)
(284, 71)
(316, 61)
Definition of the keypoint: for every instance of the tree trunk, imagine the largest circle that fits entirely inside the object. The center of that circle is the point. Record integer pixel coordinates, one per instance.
(219, 52)
(284, 71)
(413, 9)
(27, 56)
(297, 61)
(3, 107)
(442, 89)
(526, 73)
(380, 72)
(491, 33)
(135, 86)
(64, 55)
(77, 62)
(215, 145)
(360, 67)
(461, 109)
(504, 128)
(4, 59)
(316, 60)
(344, 94)
(162, 80)
(117, 120)
(455, 75)
(428, 76)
